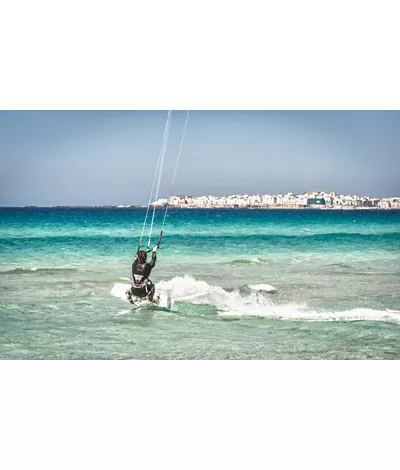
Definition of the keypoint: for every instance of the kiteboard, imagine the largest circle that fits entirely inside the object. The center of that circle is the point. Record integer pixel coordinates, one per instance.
(163, 299)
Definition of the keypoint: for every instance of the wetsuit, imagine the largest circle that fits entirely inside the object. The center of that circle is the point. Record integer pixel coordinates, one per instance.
(141, 284)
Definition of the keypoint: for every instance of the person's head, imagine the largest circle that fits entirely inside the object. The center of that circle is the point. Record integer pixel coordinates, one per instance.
(142, 255)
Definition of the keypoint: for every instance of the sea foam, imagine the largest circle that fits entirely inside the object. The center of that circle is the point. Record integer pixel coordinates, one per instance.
(188, 289)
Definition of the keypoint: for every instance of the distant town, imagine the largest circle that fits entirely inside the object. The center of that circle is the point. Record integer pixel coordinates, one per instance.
(309, 200)
(315, 200)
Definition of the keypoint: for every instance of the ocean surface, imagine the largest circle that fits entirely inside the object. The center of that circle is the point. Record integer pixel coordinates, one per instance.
(263, 284)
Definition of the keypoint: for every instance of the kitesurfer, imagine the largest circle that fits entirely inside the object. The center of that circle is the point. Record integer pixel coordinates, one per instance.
(141, 284)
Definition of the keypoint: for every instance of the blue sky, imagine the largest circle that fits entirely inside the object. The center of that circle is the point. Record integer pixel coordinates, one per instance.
(109, 157)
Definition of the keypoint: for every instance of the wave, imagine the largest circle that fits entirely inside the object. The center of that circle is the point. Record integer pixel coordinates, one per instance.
(188, 289)
(224, 235)
(263, 288)
(245, 261)
(38, 270)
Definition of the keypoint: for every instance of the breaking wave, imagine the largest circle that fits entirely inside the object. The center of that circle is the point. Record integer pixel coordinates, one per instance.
(188, 289)
(245, 261)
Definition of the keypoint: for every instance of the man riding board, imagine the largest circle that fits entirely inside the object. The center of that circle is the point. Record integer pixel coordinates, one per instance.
(141, 285)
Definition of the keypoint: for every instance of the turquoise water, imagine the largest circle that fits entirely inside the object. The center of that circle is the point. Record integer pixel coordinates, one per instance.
(332, 285)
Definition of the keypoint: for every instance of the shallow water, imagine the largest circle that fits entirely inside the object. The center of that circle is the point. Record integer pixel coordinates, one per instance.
(336, 275)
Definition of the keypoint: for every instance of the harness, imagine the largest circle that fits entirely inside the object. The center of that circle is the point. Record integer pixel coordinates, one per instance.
(139, 281)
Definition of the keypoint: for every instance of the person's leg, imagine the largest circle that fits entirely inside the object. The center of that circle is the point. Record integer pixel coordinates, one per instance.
(129, 294)
(152, 289)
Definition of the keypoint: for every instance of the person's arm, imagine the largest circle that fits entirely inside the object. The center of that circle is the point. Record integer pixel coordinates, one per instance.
(152, 262)
(133, 268)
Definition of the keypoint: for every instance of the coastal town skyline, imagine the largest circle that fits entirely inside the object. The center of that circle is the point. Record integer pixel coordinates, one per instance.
(309, 199)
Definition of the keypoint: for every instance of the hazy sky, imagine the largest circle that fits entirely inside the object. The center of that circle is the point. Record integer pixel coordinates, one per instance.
(109, 157)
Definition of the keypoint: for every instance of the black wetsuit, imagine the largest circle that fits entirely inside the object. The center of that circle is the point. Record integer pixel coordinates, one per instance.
(141, 284)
